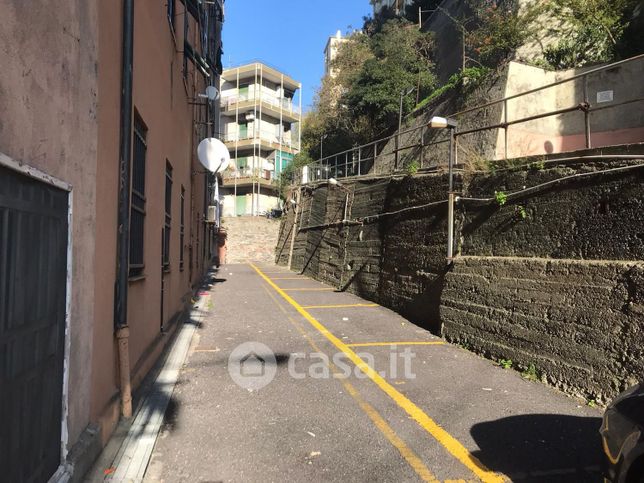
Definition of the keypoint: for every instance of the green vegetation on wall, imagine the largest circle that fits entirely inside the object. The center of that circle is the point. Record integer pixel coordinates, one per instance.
(362, 101)
(595, 31)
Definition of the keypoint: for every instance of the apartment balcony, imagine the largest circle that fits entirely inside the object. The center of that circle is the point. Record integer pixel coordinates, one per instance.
(264, 140)
(274, 106)
(247, 177)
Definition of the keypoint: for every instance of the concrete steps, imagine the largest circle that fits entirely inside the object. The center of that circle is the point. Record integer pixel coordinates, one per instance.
(250, 238)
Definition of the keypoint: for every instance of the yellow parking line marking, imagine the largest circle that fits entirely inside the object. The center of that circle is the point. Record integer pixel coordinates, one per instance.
(304, 289)
(338, 306)
(379, 344)
(405, 451)
(450, 443)
(290, 278)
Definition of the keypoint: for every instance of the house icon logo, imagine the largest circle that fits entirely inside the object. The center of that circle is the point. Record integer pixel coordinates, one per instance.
(252, 365)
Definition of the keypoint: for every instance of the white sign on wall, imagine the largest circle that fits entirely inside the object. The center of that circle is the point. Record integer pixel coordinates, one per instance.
(604, 96)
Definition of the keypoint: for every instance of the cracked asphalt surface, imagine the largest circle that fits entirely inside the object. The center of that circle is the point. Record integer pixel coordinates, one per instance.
(425, 410)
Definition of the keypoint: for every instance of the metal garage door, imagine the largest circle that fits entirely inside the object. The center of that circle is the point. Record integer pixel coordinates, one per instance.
(33, 252)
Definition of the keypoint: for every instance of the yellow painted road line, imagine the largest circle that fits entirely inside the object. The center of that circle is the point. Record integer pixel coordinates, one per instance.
(405, 451)
(290, 278)
(338, 306)
(380, 344)
(450, 443)
(303, 289)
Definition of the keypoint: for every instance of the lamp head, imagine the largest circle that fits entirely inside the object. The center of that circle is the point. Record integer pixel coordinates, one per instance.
(437, 122)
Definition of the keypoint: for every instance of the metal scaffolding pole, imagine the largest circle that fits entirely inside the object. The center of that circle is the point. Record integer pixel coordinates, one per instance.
(237, 139)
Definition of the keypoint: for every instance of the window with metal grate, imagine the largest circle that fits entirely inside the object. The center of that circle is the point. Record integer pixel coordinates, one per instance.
(168, 216)
(182, 228)
(137, 199)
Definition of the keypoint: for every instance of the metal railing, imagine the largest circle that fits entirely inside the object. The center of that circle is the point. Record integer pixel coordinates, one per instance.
(264, 135)
(277, 102)
(384, 156)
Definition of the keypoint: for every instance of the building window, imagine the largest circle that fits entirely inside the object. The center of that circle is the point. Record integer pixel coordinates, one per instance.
(182, 227)
(168, 216)
(137, 199)
(172, 12)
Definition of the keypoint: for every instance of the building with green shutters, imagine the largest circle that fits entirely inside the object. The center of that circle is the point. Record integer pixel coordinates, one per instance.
(261, 109)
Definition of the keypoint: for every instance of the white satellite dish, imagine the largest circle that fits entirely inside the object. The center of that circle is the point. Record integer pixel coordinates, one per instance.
(212, 93)
(268, 166)
(213, 154)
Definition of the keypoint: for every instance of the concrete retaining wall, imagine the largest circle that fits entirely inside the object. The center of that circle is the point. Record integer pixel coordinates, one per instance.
(580, 323)
(561, 288)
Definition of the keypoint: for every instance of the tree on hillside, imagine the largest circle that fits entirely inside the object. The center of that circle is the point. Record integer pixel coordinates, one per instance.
(402, 59)
(329, 123)
(594, 31)
(361, 100)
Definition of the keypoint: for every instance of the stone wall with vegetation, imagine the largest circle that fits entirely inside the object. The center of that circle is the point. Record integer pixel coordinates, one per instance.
(550, 281)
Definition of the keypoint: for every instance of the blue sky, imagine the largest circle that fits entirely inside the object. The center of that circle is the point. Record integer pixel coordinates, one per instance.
(288, 34)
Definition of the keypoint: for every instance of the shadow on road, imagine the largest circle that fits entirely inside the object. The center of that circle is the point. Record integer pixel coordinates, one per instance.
(544, 448)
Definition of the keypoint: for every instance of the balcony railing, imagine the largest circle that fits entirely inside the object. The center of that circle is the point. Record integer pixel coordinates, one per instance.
(266, 136)
(252, 162)
(247, 175)
(229, 103)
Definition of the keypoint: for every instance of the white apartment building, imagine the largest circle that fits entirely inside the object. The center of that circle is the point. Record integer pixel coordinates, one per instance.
(261, 109)
(331, 52)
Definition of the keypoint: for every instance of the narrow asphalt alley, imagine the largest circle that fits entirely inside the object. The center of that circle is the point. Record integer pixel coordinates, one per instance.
(290, 404)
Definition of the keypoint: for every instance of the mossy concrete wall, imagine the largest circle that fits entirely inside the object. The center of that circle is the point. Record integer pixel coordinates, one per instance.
(553, 279)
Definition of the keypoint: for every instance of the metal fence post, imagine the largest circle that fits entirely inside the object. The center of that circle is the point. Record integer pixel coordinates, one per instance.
(586, 113)
(505, 128)
(422, 145)
(346, 164)
(359, 159)
(375, 153)
(397, 152)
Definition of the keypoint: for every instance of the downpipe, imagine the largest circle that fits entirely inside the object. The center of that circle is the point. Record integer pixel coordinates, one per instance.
(123, 337)
(122, 331)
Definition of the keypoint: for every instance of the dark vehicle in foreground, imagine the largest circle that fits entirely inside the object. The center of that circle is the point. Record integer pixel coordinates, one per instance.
(622, 434)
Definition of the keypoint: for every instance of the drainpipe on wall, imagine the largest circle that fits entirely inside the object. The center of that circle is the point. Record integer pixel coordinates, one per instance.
(123, 242)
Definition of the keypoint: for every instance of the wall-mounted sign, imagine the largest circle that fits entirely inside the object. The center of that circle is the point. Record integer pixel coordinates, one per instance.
(604, 96)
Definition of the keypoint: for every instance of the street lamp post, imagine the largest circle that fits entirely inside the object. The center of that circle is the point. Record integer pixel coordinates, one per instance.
(445, 123)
